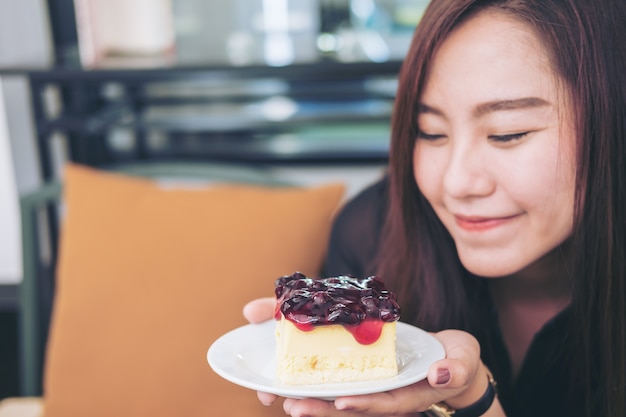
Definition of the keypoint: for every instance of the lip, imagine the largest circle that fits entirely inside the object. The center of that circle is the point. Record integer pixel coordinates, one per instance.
(480, 223)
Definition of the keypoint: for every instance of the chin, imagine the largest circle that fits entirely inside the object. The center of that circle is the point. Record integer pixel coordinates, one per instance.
(490, 273)
(487, 268)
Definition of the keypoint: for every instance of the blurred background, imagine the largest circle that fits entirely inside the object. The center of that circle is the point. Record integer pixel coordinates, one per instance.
(302, 88)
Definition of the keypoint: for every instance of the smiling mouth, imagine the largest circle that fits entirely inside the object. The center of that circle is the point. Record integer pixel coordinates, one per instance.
(478, 224)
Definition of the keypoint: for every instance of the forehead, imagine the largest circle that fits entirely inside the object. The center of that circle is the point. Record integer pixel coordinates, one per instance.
(492, 53)
(492, 27)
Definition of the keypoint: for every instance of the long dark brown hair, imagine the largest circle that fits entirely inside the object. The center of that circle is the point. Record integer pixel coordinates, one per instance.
(586, 41)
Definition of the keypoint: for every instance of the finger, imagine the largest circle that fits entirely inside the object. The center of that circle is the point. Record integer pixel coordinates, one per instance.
(401, 401)
(461, 377)
(311, 407)
(259, 310)
(461, 363)
(266, 398)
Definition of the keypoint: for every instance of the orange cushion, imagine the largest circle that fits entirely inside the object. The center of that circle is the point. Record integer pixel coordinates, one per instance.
(149, 277)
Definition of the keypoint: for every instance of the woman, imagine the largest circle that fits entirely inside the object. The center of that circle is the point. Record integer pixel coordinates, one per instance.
(504, 211)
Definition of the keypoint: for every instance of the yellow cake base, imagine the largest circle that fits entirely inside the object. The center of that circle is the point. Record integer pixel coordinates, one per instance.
(330, 354)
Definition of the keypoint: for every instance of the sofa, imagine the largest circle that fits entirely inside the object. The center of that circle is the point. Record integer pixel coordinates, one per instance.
(153, 264)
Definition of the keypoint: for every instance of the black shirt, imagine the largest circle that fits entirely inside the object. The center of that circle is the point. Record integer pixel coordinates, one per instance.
(544, 385)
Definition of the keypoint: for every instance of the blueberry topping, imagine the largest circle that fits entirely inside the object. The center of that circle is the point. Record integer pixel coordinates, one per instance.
(337, 300)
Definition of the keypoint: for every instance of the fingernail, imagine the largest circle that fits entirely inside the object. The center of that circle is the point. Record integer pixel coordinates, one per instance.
(342, 406)
(443, 376)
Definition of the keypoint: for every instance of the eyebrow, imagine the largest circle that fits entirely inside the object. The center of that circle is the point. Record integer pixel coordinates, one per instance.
(517, 104)
(493, 106)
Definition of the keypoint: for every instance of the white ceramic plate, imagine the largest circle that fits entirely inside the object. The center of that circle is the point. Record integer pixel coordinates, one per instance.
(245, 356)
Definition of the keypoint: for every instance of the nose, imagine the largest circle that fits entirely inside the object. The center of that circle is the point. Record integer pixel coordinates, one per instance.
(468, 173)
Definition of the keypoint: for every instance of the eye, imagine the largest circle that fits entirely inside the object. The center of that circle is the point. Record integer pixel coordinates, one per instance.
(508, 138)
(429, 137)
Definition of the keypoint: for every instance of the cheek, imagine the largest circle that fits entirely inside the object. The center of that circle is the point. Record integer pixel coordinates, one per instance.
(550, 184)
(426, 172)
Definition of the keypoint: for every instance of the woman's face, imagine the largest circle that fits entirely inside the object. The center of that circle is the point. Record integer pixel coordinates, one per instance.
(495, 154)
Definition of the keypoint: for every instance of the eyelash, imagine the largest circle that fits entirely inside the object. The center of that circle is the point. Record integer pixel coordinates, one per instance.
(508, 138)
(495, 138)
(426, 136)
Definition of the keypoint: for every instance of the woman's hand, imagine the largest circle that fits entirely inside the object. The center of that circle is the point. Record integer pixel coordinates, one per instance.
(257, 311)
(460, 380)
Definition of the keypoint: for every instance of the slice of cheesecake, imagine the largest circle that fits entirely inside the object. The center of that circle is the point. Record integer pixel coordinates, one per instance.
(339, 329)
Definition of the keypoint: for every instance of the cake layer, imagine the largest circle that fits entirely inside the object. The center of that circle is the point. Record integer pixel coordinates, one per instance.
(330, 354)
